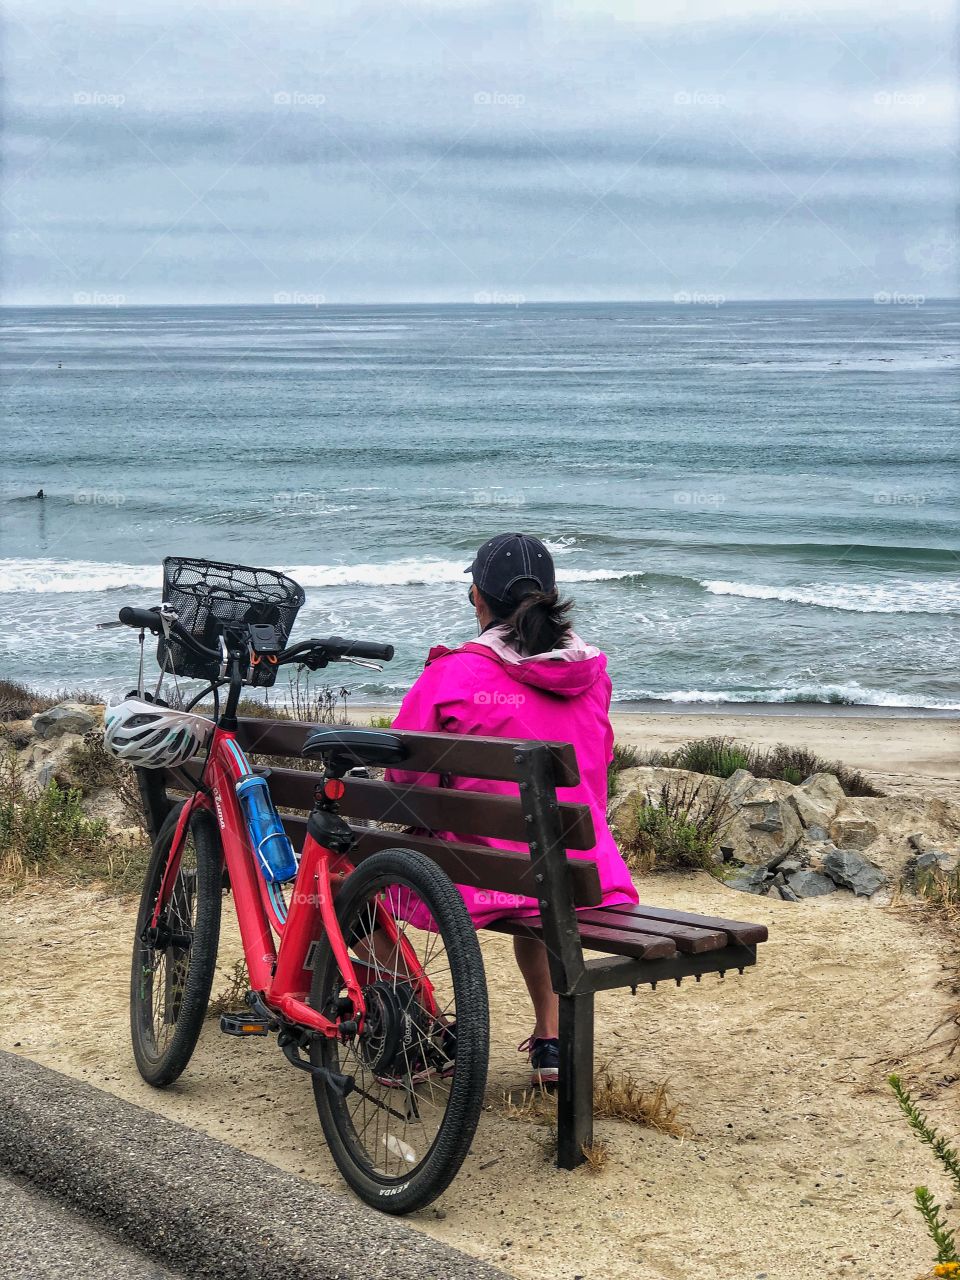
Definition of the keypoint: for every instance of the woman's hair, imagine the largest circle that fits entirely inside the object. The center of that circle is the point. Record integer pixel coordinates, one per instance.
(535, 621)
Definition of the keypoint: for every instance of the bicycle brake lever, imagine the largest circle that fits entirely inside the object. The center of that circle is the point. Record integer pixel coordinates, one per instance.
(362, 662)
(106, 626)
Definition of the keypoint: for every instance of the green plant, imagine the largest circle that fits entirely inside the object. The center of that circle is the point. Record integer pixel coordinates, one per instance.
(381, 722)
(680, 830)
(719, 757)
(948, 1157)
(46, 831)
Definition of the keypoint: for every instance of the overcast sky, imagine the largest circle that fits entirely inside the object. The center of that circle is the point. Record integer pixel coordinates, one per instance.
(432, 151)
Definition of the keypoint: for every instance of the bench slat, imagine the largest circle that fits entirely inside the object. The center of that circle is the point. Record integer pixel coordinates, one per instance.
(739, 931)
(499, 870)
(462, 754)
(469, 813)
(617, 942)
(686, 939)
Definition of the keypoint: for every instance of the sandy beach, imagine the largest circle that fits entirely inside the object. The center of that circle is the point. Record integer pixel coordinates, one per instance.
(795, 1164)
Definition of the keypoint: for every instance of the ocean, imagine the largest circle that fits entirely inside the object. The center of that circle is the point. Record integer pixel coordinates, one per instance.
(750, 503)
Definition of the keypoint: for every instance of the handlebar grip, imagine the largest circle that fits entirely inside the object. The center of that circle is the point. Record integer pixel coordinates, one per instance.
(359, 649)
(145, 619)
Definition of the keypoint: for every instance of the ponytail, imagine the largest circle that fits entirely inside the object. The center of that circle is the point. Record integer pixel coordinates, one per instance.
(535, 621)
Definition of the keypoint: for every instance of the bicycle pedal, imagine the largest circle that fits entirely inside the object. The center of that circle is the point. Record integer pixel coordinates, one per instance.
(233, 1024)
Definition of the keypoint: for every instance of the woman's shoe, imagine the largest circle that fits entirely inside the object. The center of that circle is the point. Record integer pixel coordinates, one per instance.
(544, 1055)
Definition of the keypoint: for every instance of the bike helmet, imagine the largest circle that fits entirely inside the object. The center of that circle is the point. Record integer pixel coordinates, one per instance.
(151, 735)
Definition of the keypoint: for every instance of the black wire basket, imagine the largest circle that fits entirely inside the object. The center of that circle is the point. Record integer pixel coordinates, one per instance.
(211, 598)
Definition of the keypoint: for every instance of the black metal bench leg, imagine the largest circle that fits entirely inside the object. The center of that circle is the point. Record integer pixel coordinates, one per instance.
(575, 1090)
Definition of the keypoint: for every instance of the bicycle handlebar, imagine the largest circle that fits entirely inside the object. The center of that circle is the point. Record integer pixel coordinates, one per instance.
(146, 619)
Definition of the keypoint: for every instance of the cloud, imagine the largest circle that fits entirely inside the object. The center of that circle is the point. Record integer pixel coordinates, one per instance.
(417, 148)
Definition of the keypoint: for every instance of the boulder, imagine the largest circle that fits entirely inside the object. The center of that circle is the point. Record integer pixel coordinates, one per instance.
(52, 763)
(851, 870)
(817, 799)
(817, 834)
(65, 717)
(763, 823)
(811, 884)
(851, 830)
(748, 879)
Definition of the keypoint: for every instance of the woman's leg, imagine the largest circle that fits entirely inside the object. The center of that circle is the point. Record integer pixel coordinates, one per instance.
(532, 958)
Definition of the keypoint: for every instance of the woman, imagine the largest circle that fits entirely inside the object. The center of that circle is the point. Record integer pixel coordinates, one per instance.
(527, 675)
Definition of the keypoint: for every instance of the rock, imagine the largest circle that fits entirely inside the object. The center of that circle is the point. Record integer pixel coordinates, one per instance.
(775, 892)
(811, 884)
(852, 871)
(817, 799)
(790, 864)
(748, 880)
(787, 894)
(937, 860)
(819, 835)
(65, 717)
(763, 824)
(852, 830)
(50, 760)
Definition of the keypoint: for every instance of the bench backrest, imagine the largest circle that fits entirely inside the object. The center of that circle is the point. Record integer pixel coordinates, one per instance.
(432, 809)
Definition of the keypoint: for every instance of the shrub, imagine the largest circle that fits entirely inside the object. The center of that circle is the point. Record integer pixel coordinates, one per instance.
(381, 722)
(943, 1239)
(681, 830)
(719, 757)
(47, 831)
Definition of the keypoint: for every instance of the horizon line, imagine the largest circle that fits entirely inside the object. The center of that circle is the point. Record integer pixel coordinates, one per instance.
(696, 299)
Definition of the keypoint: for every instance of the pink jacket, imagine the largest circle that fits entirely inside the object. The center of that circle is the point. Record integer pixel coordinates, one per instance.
(486, 688)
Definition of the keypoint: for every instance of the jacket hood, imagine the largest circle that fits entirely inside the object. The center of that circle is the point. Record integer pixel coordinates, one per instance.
(565, 672)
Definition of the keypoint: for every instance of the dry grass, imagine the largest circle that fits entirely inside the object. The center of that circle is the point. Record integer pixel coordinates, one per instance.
(621, 1098)
(234, 994)
(596, 1154)
(680, 830)
(615, 1096)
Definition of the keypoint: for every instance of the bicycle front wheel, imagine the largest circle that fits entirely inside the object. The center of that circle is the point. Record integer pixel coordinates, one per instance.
(420, 1067)
(174, 965)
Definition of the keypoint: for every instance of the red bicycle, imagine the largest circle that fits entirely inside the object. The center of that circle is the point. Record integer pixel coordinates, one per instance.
(390, 1020)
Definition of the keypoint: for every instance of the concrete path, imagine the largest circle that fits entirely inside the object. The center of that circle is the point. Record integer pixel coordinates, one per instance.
(190, 1203)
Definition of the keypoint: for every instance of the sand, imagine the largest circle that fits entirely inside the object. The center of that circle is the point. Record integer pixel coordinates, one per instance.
(797, 1164)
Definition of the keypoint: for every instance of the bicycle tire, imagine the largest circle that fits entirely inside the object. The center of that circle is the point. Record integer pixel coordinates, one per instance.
(449, 1147)
(188, 972)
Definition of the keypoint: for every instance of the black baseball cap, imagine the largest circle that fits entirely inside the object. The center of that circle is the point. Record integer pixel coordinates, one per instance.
(510, 558)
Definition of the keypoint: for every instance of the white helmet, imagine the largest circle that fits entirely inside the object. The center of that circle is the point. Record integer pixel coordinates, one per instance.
(153, 736)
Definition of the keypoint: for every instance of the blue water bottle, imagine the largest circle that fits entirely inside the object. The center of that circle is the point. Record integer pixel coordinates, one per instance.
(270, 842)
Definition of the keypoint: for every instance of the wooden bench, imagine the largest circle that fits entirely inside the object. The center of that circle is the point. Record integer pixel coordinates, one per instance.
(638, 944)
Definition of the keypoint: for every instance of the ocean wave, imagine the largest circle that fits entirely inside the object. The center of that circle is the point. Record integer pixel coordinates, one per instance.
(86, 576)
(846, 695)
(45, 576)
(889, 597)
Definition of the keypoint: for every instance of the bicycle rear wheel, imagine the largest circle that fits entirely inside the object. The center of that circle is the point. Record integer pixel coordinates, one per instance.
(173, 969)
(421, 1067)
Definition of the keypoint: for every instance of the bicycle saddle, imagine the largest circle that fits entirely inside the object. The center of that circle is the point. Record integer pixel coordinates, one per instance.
(341, 748)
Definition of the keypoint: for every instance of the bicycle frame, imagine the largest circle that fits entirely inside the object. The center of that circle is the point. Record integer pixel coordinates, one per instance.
(278, 969)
